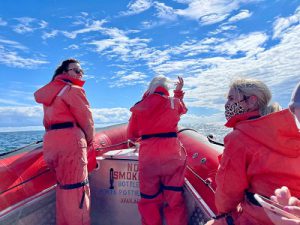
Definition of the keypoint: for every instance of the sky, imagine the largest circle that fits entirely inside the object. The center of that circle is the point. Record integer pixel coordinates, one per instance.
(123, 44)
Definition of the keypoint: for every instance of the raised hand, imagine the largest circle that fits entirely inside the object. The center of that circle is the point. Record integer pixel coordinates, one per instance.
(179, 84)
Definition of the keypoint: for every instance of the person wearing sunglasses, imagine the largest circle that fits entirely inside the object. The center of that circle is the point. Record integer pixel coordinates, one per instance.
(260, 154)
(69, 133)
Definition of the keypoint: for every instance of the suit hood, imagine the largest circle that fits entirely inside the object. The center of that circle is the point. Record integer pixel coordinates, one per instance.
(277, 131)
(48, 93)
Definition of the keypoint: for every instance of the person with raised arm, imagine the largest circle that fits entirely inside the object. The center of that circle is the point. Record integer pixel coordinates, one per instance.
(162, 159)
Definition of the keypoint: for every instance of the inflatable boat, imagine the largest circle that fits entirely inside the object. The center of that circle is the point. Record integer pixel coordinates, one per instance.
(27, 186)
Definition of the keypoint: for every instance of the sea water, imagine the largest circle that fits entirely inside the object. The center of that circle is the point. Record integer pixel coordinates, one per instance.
(12, 140)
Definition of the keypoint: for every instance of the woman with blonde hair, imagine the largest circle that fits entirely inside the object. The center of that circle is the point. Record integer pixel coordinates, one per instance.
(162, 159)
(261, 153)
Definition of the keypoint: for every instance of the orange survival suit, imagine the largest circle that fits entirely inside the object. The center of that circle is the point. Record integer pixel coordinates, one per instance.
(260, 155)
(69, 130)
(162, 159)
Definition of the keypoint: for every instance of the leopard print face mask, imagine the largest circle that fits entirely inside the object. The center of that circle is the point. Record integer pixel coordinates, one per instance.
(233, 109)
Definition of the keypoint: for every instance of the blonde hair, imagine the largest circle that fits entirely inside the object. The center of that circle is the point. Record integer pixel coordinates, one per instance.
(253, 87)
(159, 81)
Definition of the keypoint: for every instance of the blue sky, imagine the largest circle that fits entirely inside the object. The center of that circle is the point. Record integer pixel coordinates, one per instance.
(122, 44)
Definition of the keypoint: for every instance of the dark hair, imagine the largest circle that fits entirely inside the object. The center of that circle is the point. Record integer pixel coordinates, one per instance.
(63, 67)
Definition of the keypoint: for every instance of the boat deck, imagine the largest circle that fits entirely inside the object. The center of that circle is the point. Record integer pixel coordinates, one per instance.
(115, 191)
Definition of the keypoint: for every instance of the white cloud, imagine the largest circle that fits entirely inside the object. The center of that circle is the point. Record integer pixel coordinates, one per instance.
(282, 25)
(26, 116)
(222, 28)
(110, 115)
(244, 44)
(25, 20)
(2, 22)
(10, 57)
(28, 24)
(164, 12)
(11, 102)
(184, 1)
(212, 18)
(243, 14)
(95, 26)
(136, 7)
(103, 44)
(50, 34)
(89, 26)
(208, 12)
(13, 59)
(195, 47)
(119, 45)
(33, 116)
(17, 93)
(173, 66)
(43, 24)
(73, 46)
(21, 29)
(11, 44)
(207, 78)
(22, 128)
(247, 44)
(13, 94)
(212, 11)
(125, 79)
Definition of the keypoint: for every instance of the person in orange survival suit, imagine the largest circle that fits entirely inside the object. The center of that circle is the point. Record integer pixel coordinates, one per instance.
(283, 195)
(162, 159)
(261, 153)
(69, 131)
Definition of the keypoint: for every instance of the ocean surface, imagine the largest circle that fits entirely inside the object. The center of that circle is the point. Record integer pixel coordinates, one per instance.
(13, 140)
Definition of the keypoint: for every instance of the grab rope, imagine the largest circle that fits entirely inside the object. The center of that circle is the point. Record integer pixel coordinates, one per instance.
(25, 181)
(205, 181)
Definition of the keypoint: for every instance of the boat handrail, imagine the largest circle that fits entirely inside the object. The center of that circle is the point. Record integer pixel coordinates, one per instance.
(184, 129)
(210, 138)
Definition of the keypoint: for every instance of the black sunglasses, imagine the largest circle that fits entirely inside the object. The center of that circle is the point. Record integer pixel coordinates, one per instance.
(78, 71)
